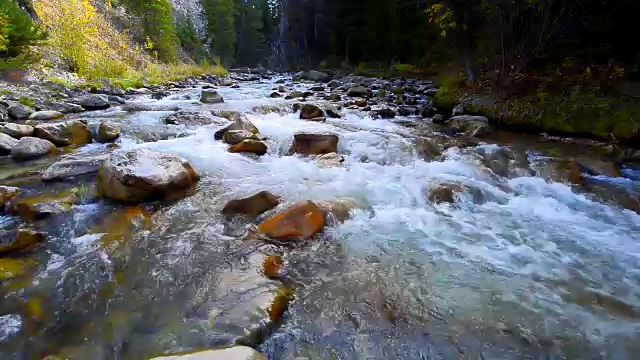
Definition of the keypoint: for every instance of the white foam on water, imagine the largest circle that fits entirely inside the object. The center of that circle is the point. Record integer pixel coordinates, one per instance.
(525, 228)
(9, 325)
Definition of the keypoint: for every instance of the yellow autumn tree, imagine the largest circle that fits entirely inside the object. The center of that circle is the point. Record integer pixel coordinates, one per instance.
(86, 40)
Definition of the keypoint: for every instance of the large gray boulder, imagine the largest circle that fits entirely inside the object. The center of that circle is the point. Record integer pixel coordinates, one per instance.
(30, 148)
(73, 167)
(16, 130)
(211, 97)
(232, 353)
(144, 175)
(4, 115)
(470, 125)
(46, 115)
(66, 133)
(6, 144)
(312, 75)
(360, 91)
(65, 108)
(310, 111)
(93, 102)
(18, 111)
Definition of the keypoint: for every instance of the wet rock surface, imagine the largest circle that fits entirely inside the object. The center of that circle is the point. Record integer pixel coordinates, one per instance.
(144, 175)
(314, 144)
(251, 206)
(70, 168)
(298, 222)
(30, 148)
(16, 130)
(72, 132)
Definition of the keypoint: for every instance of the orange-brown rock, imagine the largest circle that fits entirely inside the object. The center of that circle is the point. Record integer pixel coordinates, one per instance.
(271, 266)
(249, 146)
(444, 193)
(299, 221)
(314, 144)
(251, 206)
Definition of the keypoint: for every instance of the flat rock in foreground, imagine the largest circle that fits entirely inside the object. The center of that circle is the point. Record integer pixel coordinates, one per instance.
(232, 353)
(144, 175)
(73, 167)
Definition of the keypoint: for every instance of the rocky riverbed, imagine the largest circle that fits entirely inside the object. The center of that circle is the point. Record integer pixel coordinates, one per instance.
(306, 216)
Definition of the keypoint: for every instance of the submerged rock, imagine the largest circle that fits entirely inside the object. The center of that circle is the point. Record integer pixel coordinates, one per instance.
(41, 206)
(294, 95)
(107, 133)
(338, 209)
(46, 115)
(12, 268)
(298, 222)
(244, 304)
(16, 130)
(249, 146)
(144, 175)
(329, 160)
(470, 125)
(275, 95)
(93, 102)
(7, 143)
(30, 148)
(20, 240)
(71, 168)
(444, 193)
(7, 193)
(310, 111)
(272, 267)
(232, 353)
(18, 111)
(251, 206)
(66, 133)
(211, 97)
(314, 144)
(189, 117)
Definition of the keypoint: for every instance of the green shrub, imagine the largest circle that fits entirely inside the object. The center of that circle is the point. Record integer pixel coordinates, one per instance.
(17, 30)
(189, 40)
(157, 19)
(27, 102)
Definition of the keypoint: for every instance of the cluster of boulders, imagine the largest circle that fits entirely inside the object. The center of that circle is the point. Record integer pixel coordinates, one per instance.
(386, 99)
(26, 142)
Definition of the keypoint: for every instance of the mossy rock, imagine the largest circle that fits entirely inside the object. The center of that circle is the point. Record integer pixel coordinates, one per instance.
(41, 206)
(20, 240)
(13, 268)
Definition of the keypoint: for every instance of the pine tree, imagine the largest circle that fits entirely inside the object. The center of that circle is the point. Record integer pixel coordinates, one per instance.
(221, 28)
(157, 20)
